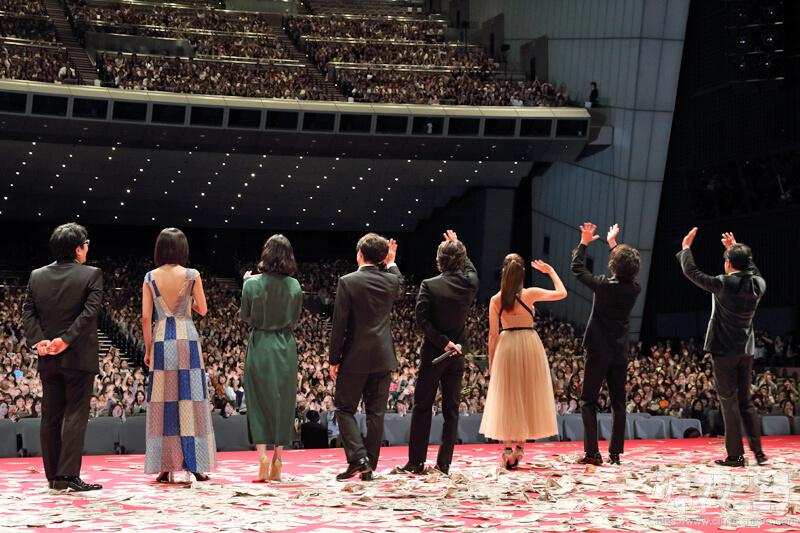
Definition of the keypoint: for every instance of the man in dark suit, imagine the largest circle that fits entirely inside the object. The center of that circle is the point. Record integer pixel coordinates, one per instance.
(60, 317)
(606, 338)
(362, 350)
(731, 341)
(441, 313)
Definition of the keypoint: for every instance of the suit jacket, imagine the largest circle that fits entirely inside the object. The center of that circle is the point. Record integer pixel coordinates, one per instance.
(361, 335)
(441, 312)
(609, 322)
(63, 300)
(313, 435)
(735, 298)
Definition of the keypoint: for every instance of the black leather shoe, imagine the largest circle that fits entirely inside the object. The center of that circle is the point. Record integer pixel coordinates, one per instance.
(366, 476)
(411, 468)
(732, 461)
(761, 458)
(613, 458)
(591, 459)
(359, 467)
(74, 484)
(444, 469)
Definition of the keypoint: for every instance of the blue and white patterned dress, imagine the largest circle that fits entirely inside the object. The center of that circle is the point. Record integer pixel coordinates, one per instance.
(179, 431)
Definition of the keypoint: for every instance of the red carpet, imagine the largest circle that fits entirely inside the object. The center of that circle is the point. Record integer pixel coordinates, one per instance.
(661, 486)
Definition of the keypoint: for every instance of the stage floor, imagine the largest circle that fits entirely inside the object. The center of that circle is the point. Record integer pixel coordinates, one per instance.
(661, 486)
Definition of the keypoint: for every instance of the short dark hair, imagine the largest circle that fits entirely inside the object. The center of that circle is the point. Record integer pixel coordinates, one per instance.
(373, 247)
(172, 248)
(740, 255)
(277, 256)
(312, 416)
(451, 256)
(624, 262)
(65, 238)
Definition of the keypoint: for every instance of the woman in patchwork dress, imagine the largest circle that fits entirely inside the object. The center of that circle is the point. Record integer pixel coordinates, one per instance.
(180, 436)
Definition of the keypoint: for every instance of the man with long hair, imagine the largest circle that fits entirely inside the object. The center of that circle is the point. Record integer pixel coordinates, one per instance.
(441, 314)
(606, 337)
(730, 340)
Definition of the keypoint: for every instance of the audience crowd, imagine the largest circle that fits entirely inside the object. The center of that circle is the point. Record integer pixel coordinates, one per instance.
(323, 52)
(108, 19)
(664, 379)
(29, 28)
(459, 88)
(22, 7)
(378, 28)
(208, 77)
(35, 64)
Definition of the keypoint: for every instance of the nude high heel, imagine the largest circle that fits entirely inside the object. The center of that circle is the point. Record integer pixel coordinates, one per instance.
(263, 469)
(275, 473)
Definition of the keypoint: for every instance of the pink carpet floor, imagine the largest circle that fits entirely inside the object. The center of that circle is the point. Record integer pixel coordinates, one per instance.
(668, 485)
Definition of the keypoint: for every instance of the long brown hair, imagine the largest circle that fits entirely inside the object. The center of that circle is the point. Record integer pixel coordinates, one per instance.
(511, 281)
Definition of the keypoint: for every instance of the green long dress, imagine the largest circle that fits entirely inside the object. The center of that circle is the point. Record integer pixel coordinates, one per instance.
(271, 305)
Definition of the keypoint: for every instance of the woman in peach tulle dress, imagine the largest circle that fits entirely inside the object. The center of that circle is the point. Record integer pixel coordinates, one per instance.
(519, 404)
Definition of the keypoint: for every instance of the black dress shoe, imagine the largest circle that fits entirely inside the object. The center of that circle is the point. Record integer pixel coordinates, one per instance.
(359, 467)
(732, 461)
(74, 484)
(613, 458)
(591, 459)
(411, 468)
(444, 469)
(761, 458)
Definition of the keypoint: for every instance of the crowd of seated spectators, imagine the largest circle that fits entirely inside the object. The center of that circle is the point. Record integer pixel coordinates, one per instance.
(35, 64)
(471, 80)
(105, 18)
(23, 7)
(237, 46)
(208, 77)
(374, 28)
(323, 52)
(459, 88)
(663, 379)
(29, 28)
(393, 8)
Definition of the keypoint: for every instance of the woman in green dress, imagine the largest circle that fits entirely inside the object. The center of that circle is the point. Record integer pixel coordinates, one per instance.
(271, 304)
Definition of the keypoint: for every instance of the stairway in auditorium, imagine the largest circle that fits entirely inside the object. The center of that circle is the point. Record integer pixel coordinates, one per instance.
(106, 345)
(332, 92)
(78, 55)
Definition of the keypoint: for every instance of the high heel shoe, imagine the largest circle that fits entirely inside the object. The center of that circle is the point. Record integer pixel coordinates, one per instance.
(164, 477)
(199, 476)
(506, 458)
(263, 469)
(519, 451)
(275, 472)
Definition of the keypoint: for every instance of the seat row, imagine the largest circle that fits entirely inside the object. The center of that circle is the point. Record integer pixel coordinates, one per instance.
(107, 436)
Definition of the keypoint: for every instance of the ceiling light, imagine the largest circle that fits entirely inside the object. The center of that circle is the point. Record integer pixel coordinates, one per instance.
(122, 203)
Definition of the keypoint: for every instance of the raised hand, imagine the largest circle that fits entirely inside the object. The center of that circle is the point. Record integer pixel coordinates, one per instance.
(392, 255)
(248, 274)
(450, 235)
(689, 239)
(587, 233)
(728, 239)
(542, 267)
(611, 236)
